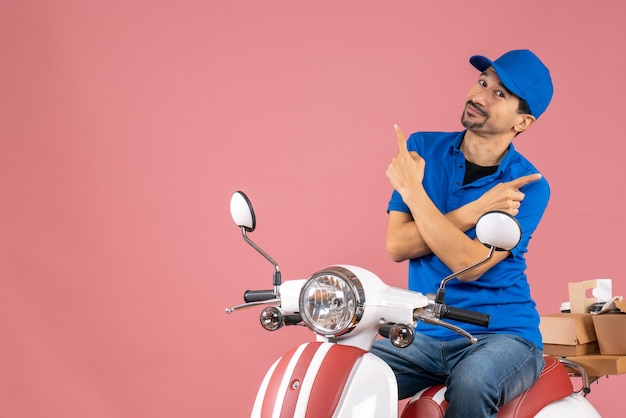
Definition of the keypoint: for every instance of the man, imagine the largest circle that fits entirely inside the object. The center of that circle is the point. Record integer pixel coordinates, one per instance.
(442, 183)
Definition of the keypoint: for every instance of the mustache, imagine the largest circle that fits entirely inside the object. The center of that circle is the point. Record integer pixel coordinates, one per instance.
(477, 107)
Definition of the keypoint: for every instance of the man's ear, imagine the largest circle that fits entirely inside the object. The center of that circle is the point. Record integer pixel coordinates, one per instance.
(524, 121)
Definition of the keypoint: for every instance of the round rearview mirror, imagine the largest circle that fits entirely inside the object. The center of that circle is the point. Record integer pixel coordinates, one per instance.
(499, 229)
(241, 211)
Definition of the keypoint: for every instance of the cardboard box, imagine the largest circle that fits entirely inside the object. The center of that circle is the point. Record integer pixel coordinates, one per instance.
(610, 327)
(567, 328)
(561, 350)
(568, 334)
(600, 365)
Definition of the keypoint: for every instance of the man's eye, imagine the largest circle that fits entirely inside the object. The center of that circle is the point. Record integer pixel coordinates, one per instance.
(482, 83)
(500, 94)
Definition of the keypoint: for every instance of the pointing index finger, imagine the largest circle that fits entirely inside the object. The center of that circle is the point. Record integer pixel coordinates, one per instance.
(401, 138)
(524, 180)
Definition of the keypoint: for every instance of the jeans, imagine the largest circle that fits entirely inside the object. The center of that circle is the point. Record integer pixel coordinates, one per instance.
(479, 377)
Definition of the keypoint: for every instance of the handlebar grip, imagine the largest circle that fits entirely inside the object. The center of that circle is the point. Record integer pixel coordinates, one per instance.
(384, 330)
(467, 316)
(258, 295)
(294, 319)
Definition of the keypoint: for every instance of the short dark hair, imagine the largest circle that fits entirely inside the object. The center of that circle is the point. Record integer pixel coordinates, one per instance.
(523, 107)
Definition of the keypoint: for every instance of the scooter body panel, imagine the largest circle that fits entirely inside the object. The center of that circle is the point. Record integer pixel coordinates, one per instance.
(574, 406)
(325, 379)
(432, 404)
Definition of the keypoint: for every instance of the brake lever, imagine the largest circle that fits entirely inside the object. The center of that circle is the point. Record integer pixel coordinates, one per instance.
(436, 321)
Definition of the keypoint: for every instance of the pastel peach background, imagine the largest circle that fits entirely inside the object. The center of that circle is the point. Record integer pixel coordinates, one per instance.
(125, 125)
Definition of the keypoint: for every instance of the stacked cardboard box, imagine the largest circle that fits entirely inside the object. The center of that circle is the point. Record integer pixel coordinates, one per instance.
(610, 328)
(568, 334)
(595, 341)
(600, 365)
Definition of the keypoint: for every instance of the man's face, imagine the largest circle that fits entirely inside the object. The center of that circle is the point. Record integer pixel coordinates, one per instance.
(490, 108)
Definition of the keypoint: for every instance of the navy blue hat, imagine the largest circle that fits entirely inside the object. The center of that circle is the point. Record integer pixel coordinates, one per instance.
(523, 73)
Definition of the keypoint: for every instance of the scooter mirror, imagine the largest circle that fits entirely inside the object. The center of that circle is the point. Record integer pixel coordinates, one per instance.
(241, 211)
(499, 229)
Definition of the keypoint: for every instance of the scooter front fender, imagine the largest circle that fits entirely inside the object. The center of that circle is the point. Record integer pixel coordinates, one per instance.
(321, 379)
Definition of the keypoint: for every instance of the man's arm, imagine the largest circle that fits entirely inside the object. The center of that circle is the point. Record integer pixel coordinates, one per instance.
(404, 240)
(433, 231)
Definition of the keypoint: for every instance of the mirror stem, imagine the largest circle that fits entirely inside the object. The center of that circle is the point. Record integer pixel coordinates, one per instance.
(277, 276)
(442, 291)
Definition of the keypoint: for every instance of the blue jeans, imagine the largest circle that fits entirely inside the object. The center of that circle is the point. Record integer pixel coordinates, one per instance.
(479, 377)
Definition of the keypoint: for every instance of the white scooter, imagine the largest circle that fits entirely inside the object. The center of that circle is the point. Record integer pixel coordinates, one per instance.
(347, 307)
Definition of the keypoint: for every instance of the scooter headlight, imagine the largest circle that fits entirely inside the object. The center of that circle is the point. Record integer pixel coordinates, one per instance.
(332, 301)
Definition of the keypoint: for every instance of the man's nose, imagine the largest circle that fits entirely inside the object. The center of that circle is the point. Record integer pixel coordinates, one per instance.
(479, 98)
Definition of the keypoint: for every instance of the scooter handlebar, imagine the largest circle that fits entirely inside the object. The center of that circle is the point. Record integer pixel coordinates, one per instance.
(258, 295)
(465, 315)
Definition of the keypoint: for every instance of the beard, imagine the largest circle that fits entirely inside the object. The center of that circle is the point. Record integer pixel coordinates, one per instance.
(467, 121)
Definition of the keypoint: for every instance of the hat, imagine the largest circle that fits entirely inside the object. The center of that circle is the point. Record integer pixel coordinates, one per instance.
(523, 73)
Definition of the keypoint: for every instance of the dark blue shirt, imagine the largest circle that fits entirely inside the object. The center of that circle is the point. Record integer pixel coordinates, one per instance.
(503, 290)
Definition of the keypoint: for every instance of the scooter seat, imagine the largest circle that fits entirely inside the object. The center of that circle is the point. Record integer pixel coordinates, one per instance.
(553, 384)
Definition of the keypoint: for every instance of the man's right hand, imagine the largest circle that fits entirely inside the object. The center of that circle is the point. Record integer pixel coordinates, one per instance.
(507, 196)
